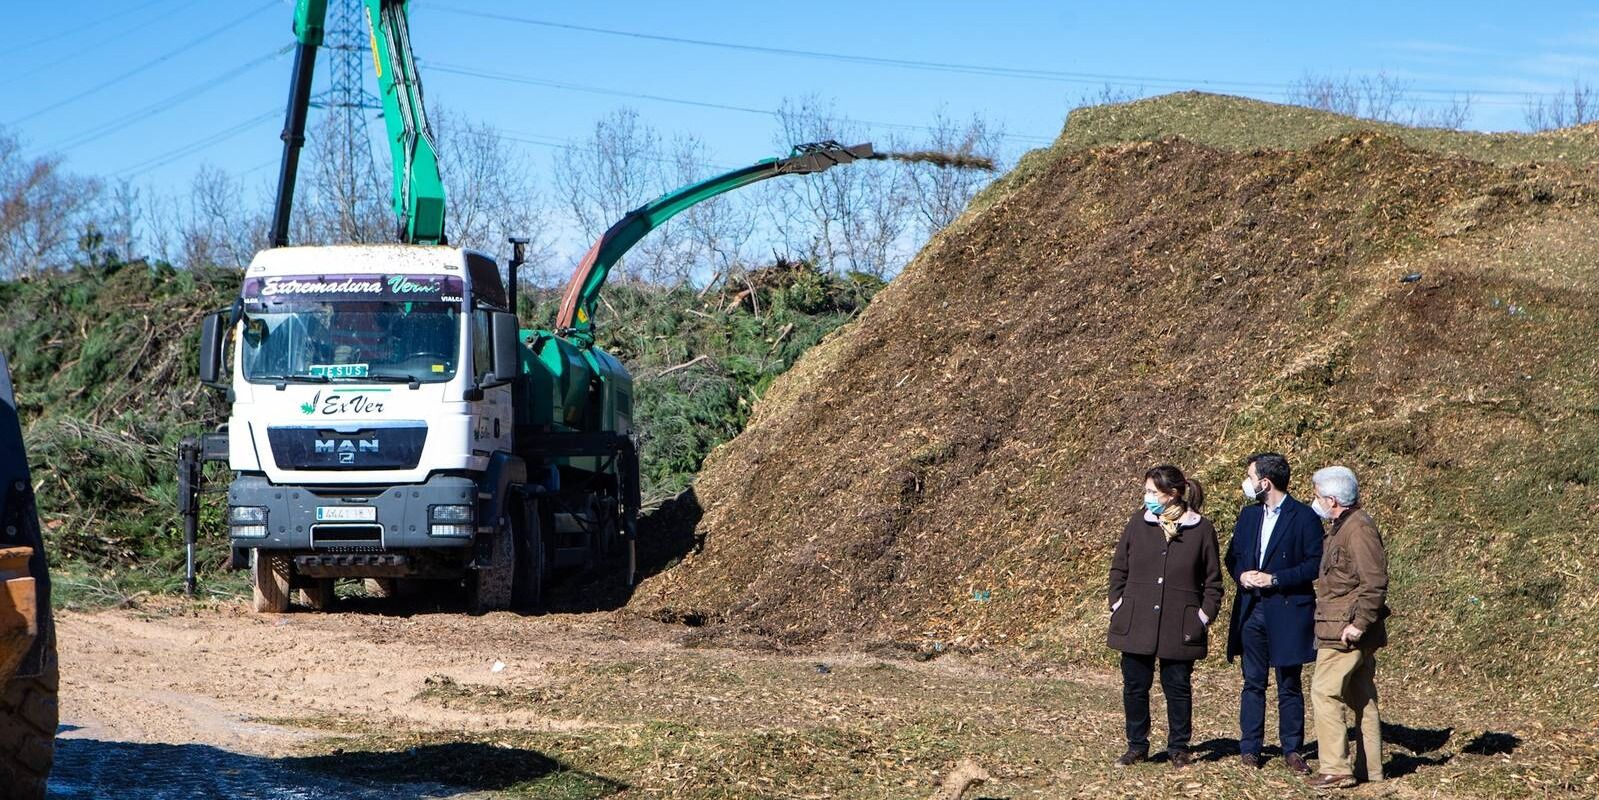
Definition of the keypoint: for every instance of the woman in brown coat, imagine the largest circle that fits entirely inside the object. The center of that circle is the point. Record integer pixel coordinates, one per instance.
(1165, 588)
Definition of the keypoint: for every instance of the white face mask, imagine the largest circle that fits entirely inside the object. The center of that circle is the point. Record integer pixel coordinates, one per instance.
(1315, 505)
(1251, 491)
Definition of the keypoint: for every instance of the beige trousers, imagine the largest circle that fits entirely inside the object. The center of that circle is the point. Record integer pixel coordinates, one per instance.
(1347, 681)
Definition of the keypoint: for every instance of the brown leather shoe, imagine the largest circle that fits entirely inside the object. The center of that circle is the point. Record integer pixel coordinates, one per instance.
(1131, 757)
(1252, 760)
(1179, 758)
(1325, 781)
(1296, 762)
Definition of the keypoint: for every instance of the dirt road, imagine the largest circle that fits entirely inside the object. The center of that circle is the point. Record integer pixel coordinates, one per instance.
(176, 703)
(238, 705)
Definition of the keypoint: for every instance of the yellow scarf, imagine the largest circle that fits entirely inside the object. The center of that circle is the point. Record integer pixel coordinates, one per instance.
(1169, 518)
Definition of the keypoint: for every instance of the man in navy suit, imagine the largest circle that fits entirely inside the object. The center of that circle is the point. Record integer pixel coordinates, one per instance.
(1274, 556)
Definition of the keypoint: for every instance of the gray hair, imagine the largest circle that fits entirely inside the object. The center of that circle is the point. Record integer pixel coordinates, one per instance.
(1338, 483)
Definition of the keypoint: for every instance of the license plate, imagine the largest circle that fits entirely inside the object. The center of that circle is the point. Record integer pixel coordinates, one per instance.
(346, 514)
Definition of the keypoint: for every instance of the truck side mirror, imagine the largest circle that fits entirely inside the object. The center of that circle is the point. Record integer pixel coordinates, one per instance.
(213, 333)
(507, 348)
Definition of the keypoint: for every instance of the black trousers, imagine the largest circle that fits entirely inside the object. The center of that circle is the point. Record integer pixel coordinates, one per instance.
(1252, 700)
(1138, 675)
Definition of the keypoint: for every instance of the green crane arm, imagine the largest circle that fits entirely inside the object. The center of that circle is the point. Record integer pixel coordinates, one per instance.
(582, 292)
(418, 188)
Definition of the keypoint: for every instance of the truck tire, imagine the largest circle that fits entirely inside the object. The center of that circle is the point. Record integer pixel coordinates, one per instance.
(28, 717)
(611, 532)
(269, 574)
(382, 588)
(630, 575)
(319, 594)
(527, 587)
(489, 586)
(599, 537)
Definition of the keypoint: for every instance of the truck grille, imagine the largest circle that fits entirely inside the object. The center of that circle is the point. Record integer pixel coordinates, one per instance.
(347, 537)
(383, 446)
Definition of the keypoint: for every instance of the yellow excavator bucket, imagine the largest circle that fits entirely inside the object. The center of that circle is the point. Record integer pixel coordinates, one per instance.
(19, 618)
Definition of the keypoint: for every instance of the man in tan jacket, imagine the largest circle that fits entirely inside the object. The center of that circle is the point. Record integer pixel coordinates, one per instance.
(1351, 590)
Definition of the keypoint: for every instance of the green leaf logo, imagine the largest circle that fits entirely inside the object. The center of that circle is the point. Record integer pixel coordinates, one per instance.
(307, 408)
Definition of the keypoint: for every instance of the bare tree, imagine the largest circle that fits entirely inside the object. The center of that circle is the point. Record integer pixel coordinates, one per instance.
(851, 219)
(1380, 97)
(492, 195)
(617, 169)
(942, 190)
(717, 230)
(1338, 95)
(342, 199)
(162, 222)
(667, 255)
(1562, 110)
(215, 229)
(43, 209)
(1110, 94)
(123, 216)
(1452, 115)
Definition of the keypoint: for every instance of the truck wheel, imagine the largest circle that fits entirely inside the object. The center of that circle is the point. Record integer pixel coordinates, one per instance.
(269, 572)
(490, 585)
(28, 716)
(319, 594)
(600, 541)
(382, 588)
(632, 564)
(397, 588)
(611, 533)
(527, 590)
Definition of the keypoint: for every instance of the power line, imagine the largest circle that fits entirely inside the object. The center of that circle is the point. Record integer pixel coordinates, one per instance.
(271, 162)
(556, 143)
(520, 137)
(76, 52)
(196, 146)
(938, 66)
(1061, 76)
(522, 79)
(166, 103)
(79, 28)
(148, 64)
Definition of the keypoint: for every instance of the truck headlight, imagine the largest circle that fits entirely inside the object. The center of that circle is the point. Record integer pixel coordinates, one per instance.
(245, 515)
(461, 531)
(449, 513)
(247, 522)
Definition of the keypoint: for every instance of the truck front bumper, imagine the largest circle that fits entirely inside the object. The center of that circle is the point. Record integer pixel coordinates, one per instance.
(337, 519)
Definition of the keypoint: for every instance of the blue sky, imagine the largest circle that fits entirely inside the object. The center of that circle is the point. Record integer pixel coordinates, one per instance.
(136, 88)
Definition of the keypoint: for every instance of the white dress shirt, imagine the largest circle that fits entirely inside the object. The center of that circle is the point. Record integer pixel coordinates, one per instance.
(1268, 520)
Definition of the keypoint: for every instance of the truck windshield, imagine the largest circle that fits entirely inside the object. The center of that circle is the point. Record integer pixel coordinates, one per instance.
(321, 330)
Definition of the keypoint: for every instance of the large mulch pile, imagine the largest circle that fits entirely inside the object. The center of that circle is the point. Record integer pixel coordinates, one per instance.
(951, 471)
